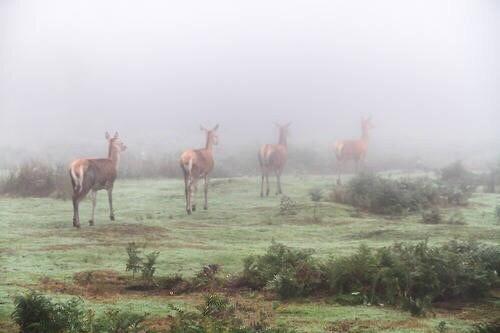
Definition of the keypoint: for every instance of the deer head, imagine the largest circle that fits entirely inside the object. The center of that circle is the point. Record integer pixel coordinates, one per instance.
(212, 136)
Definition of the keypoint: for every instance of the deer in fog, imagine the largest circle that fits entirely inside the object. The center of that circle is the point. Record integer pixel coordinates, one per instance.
(272, 159)
(196, 164)
(94, 174)
(353, 150)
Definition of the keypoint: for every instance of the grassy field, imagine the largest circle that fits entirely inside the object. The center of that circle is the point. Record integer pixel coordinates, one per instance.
(39, 248)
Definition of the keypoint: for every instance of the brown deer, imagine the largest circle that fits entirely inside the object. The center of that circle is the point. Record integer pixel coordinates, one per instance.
(94, 174)
(196, 164)
(353, 150)
(272, 158)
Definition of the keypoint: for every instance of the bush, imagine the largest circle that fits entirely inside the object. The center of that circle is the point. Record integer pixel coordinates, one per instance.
(289, 272)
(37, 179)
(388, 196)
(395, 197)
(432, 217)
(409, 275)
(287, 206)
(148, 267)
(134, 262)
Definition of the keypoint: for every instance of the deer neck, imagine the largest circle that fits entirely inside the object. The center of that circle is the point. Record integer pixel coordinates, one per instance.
(210, 144)
(365, 137)
(282, 139)
(114, 156)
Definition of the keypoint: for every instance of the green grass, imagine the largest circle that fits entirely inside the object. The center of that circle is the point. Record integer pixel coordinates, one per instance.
(37, 240)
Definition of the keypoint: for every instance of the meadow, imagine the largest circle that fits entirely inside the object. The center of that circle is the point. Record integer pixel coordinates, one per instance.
(40, 250)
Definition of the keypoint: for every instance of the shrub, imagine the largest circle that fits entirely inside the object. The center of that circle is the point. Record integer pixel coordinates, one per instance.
(36, 313)
(395, 197)
(432, 217)
(289, 272)
(148, 268)
(37, 179)
(457, 218)
(287, 206)
(134, 262)
(116, 321)
(497, 212)
(387, 196)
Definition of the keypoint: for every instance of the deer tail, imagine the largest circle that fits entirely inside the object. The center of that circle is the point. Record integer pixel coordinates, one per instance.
(76, 178)
(187, 166)
(339, 146)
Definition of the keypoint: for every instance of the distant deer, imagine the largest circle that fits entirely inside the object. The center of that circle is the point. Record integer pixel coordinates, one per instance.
(353, 150)
(272, 159)
(94, 174)
(196, 164)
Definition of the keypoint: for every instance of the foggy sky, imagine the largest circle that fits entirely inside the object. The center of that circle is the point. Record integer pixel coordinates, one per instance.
(427, 71)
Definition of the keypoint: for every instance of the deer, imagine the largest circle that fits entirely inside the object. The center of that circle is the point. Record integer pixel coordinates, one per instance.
(95, 174)
(196, 164)
(353, 150)
(272, 159)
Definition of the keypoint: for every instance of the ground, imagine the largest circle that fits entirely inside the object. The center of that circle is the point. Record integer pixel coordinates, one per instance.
(39, 248)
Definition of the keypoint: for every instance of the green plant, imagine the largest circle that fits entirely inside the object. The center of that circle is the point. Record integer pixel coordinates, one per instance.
(287, 271)
(134, 262)
(148, 267)
(497, 212)
(432, 217)
(287, 206)
(441, 327)
(36, 313)
(316, 195)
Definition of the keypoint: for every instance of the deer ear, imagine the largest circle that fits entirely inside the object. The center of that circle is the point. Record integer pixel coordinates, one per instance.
(107, 136)
(216, 127)
(116, 135)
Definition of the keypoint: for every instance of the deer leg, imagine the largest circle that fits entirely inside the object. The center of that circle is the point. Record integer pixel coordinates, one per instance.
(262, 186)
(206, 192)
(339, 170)
(76, 215)
(93, 197)
(188, 195)
(278, 183)
(186, 191)
(193, 198)
(110, 199)
(267, 184)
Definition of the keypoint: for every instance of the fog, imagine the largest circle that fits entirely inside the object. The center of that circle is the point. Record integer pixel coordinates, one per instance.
(426, 71)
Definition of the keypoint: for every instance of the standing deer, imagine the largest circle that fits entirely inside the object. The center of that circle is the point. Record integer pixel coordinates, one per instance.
(353, 150)
(272, 158)
(196, 164)
(94, 174)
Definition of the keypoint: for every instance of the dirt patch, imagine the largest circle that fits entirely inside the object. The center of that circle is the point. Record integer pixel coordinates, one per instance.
(122, 230)
(476, 312)
(355, 325)
(90, 284)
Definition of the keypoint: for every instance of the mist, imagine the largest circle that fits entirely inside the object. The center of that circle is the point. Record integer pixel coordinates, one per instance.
(427, 72)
